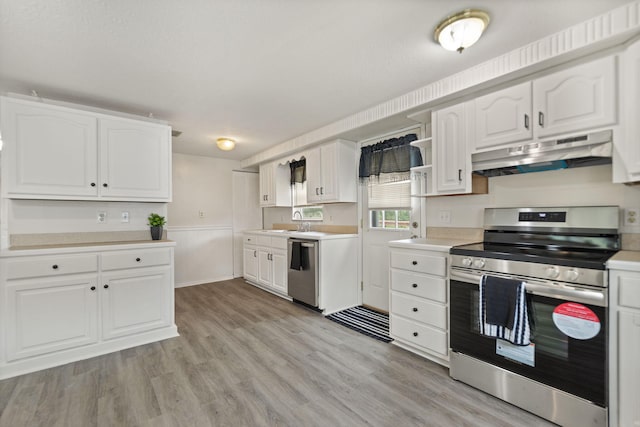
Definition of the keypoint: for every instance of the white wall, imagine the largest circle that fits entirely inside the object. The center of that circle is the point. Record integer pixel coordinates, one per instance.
(204, 251)
(569, 187)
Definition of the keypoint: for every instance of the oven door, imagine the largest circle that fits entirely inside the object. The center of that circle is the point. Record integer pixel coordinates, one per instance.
(573, 361)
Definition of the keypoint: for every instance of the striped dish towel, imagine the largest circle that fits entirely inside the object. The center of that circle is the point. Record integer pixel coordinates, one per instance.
(520, 334)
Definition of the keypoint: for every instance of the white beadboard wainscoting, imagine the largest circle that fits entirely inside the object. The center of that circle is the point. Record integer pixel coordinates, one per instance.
(203, 254)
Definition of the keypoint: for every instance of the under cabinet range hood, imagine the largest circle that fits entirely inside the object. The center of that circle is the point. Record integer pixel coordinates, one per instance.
(585, 150)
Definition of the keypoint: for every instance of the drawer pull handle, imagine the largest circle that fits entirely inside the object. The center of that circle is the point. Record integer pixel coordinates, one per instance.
(106, 286)
(138, 259)
(105, 185)
(93, 184)
(93, 288)
(415, 334)
(414, 262)
(55, 266)
(415, 285)
(415, 309)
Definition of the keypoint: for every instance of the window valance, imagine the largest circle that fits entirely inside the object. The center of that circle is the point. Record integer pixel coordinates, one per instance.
(298, 171)
(389, 156)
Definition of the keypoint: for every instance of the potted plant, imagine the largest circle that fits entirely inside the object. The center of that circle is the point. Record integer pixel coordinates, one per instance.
(156, 222)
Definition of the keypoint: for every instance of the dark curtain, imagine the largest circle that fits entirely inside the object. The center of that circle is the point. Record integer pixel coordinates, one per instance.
(298, 171)
(389, 156)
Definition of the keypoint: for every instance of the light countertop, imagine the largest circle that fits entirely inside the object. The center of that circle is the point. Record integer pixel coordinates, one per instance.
(442, 245)
(83, 247)
(625, 260)
(311, 235)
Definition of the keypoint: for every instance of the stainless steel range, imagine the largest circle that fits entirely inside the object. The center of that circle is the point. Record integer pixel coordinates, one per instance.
(560, 255)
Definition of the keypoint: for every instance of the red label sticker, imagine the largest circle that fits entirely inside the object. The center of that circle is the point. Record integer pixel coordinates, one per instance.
(576, 320)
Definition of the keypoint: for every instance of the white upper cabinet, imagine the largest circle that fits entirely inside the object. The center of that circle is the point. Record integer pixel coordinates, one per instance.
(135, 159)
(275, 185)
(451, 161)
(54, 152)
(578, 98)
(331, 173)
(568, 101)
(48, 151)
(503, 117)
(626, 161)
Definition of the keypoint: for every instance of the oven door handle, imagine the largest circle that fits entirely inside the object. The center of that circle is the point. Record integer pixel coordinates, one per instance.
(557, 291)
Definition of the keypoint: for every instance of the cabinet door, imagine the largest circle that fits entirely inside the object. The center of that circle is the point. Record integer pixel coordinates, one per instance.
(266, 185)
(314, 175)
(628, 367)
(264, 267)
(450, 150)
(250, 263)
(46, 315)
(630, 147)
(280, 271)
(135, 301)
(503, 117)
(582, 97)
(135, 160)
(329, 164)
(51, 151)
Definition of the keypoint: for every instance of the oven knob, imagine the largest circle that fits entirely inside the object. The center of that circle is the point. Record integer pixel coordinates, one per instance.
(571, 274)
(553, 272)
(478, 263)
(466, 262)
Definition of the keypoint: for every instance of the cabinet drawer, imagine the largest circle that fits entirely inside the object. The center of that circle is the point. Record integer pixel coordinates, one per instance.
(420, 335)
(419, 309)
(250, 239)
(279, 242)
(135, 258)
(53, 265)
(264, 240)
(629, 291)
(420, 262)
(433, 288)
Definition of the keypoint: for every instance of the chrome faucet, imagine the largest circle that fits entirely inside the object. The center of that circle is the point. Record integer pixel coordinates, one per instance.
(300, 225)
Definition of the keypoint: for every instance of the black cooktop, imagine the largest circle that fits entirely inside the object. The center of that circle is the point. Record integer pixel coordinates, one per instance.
(594, 259)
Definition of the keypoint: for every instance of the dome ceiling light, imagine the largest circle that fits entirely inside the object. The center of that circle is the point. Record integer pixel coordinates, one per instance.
(459, 31)
(226, 144)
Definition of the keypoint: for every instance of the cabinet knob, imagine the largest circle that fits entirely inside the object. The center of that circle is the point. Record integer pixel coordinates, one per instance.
(138, 259)
(106, 286)
(526, 121)
(460, 175)
(93, 288)
(105, 185)
(317, 191)
(93, 184)
(54, 266)
(415, 285)
(414, 262)
(415, 334)
(541, 119)
(321, 190)
(254, 254)
(415, 309)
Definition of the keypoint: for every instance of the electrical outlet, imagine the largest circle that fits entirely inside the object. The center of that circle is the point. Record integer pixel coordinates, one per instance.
(444, 217)
(201, 214)
(124, 216)
(102, 217)
(632, 217)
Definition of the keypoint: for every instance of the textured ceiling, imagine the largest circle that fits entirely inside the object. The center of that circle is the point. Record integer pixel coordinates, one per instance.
(259, 71)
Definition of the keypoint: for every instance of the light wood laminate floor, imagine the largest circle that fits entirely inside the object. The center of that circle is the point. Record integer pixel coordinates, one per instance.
(248, 358)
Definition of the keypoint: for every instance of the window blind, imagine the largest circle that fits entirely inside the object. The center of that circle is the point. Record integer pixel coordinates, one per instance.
(390, 191)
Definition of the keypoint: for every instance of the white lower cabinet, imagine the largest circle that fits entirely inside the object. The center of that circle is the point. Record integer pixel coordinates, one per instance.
(265, 262)
(135, 301)
(72, 306)
(419, 302)
(46, 315)
(624, 346)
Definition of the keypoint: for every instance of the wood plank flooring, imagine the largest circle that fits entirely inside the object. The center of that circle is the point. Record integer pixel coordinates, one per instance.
(248, 358)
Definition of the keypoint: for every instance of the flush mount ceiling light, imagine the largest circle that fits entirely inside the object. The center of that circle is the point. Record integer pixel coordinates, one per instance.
(461, 30)
(226, 144)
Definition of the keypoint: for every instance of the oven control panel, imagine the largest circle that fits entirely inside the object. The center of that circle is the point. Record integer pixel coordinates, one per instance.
(582, 276)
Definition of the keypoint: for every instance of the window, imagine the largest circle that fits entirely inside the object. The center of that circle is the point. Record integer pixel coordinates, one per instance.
(390, 219)
(307, 213)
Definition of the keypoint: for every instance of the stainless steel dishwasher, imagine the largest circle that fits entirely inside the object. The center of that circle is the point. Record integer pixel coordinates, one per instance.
(303, 271)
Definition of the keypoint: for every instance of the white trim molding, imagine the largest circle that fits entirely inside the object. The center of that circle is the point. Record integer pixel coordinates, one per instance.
(602, 32)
